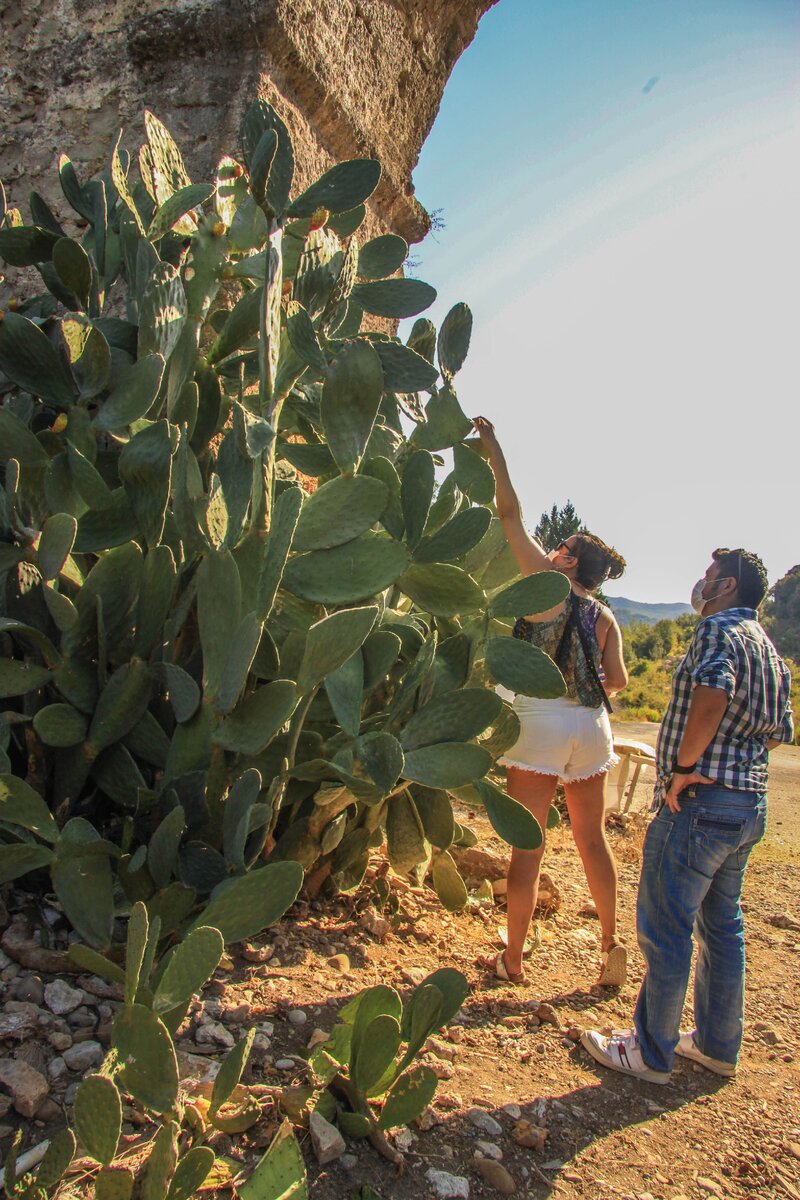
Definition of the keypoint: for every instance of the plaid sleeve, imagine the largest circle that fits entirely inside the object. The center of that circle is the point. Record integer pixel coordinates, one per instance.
(785, 731)
(713, 658)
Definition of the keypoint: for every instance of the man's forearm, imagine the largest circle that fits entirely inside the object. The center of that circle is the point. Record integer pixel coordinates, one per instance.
(706, 710)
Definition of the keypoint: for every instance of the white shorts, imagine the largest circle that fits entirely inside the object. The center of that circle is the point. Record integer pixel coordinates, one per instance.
(563, 738)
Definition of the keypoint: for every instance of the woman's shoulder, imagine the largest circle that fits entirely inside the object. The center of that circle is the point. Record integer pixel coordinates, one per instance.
(600, 613)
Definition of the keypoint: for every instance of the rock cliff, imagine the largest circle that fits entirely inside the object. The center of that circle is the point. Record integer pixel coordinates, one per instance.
(350, 77)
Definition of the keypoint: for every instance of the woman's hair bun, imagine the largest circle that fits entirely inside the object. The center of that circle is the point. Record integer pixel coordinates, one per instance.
(617, 563)
(596, 561)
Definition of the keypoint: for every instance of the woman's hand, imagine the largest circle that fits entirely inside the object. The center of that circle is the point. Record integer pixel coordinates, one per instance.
(485, 431)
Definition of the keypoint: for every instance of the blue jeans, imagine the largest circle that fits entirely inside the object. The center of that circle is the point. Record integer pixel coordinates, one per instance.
(692, 873)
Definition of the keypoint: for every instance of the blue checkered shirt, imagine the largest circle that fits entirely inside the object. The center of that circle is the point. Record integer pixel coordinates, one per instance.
(730, 651)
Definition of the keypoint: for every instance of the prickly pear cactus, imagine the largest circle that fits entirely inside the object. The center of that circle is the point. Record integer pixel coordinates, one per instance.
(212, 680)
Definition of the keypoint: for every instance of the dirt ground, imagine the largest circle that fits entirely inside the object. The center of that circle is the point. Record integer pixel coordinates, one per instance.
(607, 1136)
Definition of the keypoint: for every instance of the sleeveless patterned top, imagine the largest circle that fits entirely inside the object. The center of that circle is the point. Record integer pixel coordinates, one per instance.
(571, 661)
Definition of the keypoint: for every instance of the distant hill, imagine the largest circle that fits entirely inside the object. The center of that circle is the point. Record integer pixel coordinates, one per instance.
(637, 610)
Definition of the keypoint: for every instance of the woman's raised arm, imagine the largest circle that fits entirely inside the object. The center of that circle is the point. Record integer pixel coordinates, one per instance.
(528, 551)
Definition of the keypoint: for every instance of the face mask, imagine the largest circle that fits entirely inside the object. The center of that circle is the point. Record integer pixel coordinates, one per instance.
(698, 600)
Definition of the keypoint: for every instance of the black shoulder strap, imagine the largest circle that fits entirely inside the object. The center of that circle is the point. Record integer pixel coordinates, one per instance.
(587, 653)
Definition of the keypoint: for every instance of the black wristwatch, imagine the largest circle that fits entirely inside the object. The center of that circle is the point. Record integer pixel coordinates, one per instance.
(679, 770)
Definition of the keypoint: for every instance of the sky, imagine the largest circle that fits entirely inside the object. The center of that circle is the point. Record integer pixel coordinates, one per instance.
(620, 189)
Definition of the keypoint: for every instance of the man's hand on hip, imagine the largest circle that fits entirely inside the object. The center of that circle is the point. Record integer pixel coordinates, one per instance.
(678, 784)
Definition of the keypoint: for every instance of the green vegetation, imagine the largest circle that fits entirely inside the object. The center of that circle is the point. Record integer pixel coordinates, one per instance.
(782, 614)
(557, 524)
(240, 640)
(205, 667)
(652, 653)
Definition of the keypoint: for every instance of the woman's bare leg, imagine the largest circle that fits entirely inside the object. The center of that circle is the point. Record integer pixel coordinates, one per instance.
(586, 801)
(536, 793)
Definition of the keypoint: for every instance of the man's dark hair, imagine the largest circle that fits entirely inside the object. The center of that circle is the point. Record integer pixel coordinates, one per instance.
(749, 572)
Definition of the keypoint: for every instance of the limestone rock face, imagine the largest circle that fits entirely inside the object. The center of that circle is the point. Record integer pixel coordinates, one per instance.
(350, 78)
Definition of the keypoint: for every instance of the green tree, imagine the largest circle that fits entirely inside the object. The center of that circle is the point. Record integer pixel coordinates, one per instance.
(557, 524)
(782, 614)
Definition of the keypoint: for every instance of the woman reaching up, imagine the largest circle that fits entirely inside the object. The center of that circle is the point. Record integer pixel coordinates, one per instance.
(569, 739)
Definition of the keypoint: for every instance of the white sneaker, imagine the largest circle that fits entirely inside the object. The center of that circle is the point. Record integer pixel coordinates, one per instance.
(621, 1052)
(687, 1048)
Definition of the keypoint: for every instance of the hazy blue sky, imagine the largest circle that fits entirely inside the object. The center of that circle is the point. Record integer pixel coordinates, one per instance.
(620, 182)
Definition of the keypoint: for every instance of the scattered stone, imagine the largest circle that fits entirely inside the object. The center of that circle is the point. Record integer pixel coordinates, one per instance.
(442, 1070)
(22, 1007)
(513, 1110)
(427, 1120)
(532, 1137)
(192, 1066)
(573, 1033)
(546, 1012)
(440, 1049)
(414, 975)
(710, 1185)
(257, 954)
(104, 989)
(27, 1086)
(317, 1038)
(59, 1041)
(28, 987)
(261, 1042)
(297, 1017)
(328, 1143)
(496, 1175)
(237, 1014)
(483, 1121)
(339, 962)
(48, 1110)
(655, 1110)
(82, 1018)
(285, 1064)
(57, 1069)
(35, 1055)
(448, 1101)
(61, 998)
(214, 1033)
(447, 1186)
(16, 1026)
(488, 1150)
(348, 1161)
(83, 1056)
(404, 1139)
(376, 925)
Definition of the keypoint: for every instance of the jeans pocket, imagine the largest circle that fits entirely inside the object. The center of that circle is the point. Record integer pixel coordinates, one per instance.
(712, 839)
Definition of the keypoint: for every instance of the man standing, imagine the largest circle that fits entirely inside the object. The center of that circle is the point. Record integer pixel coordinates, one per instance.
(730, 706)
